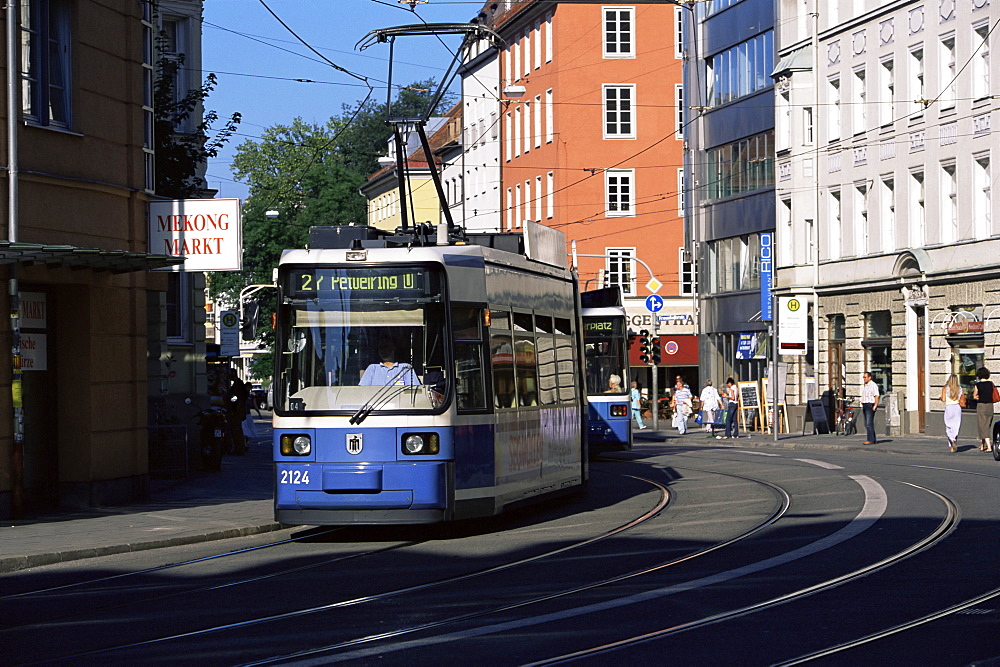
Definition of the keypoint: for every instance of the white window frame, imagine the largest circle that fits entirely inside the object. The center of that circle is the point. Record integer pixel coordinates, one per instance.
(678, 33)
(539, 110)
(679, 111)
(860, 206)
(916, 80)
(834, 126)
(687, 279)
(549, 117)
(527, 127)
(619, 269)
(550, 204)
(982, 195)
(887, 92)
(887, 204)
(917, 214)
(948, 189)
(980, 61)
(946, 71)
(681, 192)
(619, 192)
(835, 212)
(615, 37)
(623, 113)
(510, 208)
(859, 101)
(538, 199)
(548, 38)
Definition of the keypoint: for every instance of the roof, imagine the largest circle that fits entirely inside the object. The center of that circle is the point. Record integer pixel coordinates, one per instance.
(97, 259)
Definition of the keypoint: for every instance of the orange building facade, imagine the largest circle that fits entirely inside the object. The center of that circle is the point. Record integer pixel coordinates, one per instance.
(592, 145)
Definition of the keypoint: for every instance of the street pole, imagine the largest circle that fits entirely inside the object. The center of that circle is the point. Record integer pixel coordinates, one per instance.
(775, 417)
(13, 115)
(654, 392)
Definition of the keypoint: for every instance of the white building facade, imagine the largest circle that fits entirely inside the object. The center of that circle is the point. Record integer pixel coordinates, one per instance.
(885, 205)
(477, 206)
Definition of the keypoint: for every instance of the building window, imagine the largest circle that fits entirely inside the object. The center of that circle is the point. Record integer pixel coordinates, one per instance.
(917, 77)
(620, 269)
(982, 196)
(742, 166)
(833, 100)
(508, 137)
(619, 195)
(917, 213)
(878, 348)
(681, 192)
(679, 110)
(527, 127)
(741, 69)
(980, 62)
(178, 308)
(887, 200)
(548, 38)
(860, 219)
(859, 97)
(538, 198)
(46, 75)
(538, 121)
(510, 209)
(947, 72)
(734, 264)
(550, 206)
(148, 118)
(835, 242)
(685, 274)
(967, 340)
(619, 32)
(517, 205)
(807, 126)
(517, 132)
(678, 33)
(618, 105)
(549, 129)
(949, 203)
(887, 93)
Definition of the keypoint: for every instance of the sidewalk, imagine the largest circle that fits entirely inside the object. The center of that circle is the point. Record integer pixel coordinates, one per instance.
(237, 501)
(203, 506)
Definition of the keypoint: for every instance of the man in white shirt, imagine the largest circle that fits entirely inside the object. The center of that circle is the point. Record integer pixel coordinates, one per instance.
(388, 372)
(869, 404)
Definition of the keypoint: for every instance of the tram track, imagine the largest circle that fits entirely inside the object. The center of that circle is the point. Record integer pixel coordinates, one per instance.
(782, 503)
(948, 523)
(655, 510)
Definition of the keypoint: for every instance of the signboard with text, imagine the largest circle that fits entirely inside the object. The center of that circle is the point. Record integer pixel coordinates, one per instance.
(793, 324)
(208, 233)
(766, 275)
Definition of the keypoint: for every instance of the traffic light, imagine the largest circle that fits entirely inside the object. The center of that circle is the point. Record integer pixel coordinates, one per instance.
(251, 311)
(655, 351)
(644, 349)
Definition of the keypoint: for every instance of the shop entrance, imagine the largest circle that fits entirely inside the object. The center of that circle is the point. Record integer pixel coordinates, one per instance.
(39, 392)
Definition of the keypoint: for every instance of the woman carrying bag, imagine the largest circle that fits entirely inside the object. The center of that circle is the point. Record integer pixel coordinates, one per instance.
(985, 395)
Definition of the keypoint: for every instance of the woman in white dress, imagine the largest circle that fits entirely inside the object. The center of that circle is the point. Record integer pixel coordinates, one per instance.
(950, 395)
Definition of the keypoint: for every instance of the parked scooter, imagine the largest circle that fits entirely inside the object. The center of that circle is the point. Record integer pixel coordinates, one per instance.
(215, 433)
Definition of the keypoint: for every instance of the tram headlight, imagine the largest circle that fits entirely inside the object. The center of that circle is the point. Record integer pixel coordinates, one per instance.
(295, 444)
(421, 443)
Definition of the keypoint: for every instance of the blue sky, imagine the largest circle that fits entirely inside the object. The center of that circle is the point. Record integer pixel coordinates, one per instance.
(255, 58)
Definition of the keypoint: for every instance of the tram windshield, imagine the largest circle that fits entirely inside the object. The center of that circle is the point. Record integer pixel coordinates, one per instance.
(604, 348)
(363, 340)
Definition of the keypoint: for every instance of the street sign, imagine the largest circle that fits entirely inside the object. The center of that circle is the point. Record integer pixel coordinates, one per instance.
(654, 285)
(654, 303)
(793, 324)
(229, 333)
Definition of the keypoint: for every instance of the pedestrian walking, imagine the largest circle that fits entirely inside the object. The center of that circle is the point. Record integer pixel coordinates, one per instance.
(635, 396)
(951, 392)
(869, 404)
(681, 405)
(984, 395)
(731, 396)
(711, 404)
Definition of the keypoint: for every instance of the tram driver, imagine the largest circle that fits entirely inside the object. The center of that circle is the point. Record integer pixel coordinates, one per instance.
(388, 371)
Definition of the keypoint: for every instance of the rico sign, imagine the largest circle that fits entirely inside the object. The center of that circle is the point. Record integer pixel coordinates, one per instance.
(206, 232)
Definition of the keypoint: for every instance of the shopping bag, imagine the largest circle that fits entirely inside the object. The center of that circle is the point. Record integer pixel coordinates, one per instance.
(699, 419)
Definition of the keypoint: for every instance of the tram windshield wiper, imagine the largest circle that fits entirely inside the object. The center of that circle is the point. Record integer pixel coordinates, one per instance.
(381, 397)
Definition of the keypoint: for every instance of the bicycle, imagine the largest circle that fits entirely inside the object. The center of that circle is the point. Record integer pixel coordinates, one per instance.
(847, 417)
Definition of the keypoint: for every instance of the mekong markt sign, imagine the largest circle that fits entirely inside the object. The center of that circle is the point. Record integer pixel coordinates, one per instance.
(208, 233)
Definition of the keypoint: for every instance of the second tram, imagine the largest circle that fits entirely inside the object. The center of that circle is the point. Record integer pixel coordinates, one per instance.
(606, 363)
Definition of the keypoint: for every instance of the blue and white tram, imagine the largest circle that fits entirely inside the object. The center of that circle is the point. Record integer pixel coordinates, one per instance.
(422, 384)
(605, 339)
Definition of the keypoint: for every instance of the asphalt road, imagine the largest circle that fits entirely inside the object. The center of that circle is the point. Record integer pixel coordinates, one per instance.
(676, 552)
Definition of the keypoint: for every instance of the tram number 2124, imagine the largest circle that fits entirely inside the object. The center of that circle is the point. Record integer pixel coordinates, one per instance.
(297, 477)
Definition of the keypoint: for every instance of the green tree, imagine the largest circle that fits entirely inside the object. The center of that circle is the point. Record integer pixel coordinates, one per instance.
(179, 154)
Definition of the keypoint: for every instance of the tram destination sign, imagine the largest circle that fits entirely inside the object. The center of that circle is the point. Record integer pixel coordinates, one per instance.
(357, 283)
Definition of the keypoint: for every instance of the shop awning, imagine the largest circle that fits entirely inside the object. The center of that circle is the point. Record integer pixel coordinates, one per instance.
(96, 259)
